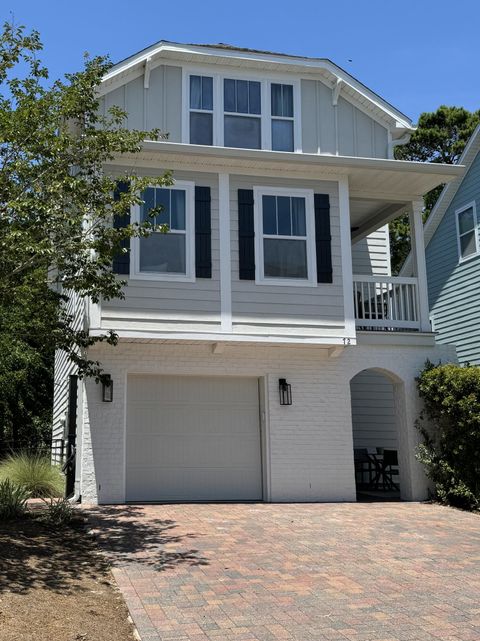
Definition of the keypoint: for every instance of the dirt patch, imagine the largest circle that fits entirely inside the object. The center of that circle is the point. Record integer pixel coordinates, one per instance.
(56, 586)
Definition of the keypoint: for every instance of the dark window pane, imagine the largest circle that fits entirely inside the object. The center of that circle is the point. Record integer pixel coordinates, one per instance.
(201, 128)
(287, 101)
(229, 95)
(177, 218)
(207, 92)
(195, 92)
(242, 131)
(282, 135)
(285, 258)
(298, 217)
(269, 214)
(242, 97)
(163, 253)
(465, 220)
(254, 98)
(277, 100)
(148, 204)
(162, 200)
(284, 216)
(467, 244)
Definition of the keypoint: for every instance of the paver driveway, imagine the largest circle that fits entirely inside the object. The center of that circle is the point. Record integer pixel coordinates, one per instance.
(261, 572)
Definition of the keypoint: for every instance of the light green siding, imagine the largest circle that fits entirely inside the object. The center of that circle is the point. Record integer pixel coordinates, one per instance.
(454, 288)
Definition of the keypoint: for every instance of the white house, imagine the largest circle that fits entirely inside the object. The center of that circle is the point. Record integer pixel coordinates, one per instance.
(275, 273)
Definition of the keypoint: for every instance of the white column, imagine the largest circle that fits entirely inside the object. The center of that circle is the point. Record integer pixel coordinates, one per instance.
(418, 254)
(346, 248)
(225, 254)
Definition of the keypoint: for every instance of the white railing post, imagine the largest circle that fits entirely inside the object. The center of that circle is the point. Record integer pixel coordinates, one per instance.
(418, 254)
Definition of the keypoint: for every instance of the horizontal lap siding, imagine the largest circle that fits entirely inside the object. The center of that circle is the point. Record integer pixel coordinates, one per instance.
(371, 255)
(373, 413)
(269, 304)
(177, 302)
(454, 292)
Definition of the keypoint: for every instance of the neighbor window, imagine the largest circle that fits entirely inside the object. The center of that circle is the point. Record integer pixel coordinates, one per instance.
(285, 240)
(166, 253)
(201, 110)
(282, 117)
(467, 231)
(242, 118)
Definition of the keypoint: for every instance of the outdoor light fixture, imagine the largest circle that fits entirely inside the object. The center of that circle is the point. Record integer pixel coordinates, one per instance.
(107, 389)
(285, 391)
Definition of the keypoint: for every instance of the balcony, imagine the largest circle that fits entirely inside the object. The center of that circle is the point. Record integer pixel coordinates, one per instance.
(385, 303)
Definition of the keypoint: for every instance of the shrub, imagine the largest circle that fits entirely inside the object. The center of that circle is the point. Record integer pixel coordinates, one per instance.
(13, 499)
(59, 512)
(450, 426)
(35, 473)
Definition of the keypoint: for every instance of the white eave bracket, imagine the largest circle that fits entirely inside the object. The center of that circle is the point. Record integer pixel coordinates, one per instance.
(334, 352)
(336, 91)
(146, 75)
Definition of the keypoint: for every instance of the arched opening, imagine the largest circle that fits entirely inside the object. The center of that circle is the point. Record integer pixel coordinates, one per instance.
(377, 398)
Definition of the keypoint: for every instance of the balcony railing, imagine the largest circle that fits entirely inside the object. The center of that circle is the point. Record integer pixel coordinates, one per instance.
(386, 303)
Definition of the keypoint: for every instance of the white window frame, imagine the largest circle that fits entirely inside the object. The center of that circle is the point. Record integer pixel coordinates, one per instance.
(202, 111)
(260, 278)
(189, 276)
(471, 206)
(265, 100)
(283, 118)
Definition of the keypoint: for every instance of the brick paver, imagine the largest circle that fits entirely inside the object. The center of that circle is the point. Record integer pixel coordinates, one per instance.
(309, 572)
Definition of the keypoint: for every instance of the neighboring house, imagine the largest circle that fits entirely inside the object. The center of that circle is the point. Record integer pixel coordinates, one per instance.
(274, 278)
(452, 248)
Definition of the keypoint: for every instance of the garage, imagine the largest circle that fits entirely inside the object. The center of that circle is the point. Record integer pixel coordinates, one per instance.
(193, 439)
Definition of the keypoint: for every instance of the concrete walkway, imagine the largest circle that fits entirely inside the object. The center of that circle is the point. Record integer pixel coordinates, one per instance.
(309, 572)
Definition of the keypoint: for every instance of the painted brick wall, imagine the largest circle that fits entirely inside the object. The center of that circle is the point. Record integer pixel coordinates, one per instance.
(311, 448)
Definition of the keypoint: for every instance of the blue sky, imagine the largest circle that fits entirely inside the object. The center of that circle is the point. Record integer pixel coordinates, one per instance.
(417, 55)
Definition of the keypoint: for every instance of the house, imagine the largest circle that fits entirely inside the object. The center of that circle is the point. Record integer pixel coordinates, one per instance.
(452, 248)
(263, 338)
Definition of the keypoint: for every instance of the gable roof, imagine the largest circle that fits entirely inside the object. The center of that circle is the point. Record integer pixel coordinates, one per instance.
(447, 195)
(226, 54)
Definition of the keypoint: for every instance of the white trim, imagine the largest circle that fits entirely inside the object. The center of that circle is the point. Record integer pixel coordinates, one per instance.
(189, 276)
(222, 73)
(125, 410)
(307, 194)
(418, 251)
(473, 207)
(264, 418)
(225, 253)
(346, 249)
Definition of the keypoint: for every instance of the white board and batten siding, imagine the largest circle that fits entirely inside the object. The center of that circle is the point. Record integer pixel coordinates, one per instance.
(193, 439)
(158, 107)
(171, 305)
(267, 308)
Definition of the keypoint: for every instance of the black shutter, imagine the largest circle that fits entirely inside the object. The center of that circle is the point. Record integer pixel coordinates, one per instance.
(246, 235)
(121, 262)
(323, 239)
(203, 233)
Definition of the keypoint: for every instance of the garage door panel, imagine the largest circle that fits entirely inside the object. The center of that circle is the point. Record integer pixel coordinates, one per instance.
(191, 438)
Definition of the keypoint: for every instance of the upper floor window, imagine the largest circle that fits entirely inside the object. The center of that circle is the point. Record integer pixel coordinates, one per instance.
(467, 232)
(167, 255)
(242, 107)
(282, 117)
(201, 110)
(285, 233)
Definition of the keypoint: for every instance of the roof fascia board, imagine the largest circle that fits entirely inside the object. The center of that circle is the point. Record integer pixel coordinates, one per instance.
(282, 61)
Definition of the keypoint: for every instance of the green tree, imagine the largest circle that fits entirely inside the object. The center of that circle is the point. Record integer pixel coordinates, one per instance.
(441, 136)
(56, 210)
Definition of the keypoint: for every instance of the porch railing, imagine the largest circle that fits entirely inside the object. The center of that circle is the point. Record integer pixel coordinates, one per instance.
(386, 303)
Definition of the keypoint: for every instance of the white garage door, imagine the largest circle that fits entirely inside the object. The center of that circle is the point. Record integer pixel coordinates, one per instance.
(192, 439)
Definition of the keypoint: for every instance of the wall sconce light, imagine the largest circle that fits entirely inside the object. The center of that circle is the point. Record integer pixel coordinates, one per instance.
(285, 391)
(107, 389)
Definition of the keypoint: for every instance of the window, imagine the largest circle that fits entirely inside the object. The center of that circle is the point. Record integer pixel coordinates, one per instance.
(285, 236)
(166, 255)
(201, 110)
(467, 231)
(242, 119)
(282, 117)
